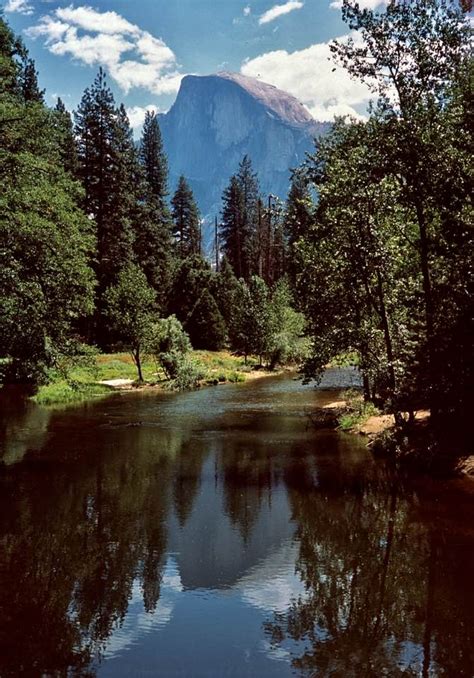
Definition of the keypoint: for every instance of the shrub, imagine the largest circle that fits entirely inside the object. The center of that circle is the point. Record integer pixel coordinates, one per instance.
(168, 344)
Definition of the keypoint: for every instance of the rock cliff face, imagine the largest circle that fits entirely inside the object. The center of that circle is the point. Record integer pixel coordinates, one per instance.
(217, 119)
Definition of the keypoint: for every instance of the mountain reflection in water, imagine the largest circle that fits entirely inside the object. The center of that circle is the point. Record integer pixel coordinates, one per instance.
(215, 533)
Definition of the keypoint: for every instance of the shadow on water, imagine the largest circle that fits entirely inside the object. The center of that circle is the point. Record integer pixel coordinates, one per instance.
(216, 533)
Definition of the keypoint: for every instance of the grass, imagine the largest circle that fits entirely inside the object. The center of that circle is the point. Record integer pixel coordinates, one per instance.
(358, 417)
(61, 392)
(82, 382)
(358, 411)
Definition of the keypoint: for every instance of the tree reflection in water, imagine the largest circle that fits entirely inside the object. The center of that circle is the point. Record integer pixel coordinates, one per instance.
(73, 539)
(101, 514)
(381, 593)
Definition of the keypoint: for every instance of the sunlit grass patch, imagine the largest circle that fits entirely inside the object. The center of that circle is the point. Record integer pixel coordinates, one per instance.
(63, 393)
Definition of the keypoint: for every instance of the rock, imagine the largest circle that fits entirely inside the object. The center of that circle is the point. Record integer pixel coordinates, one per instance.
(217, 119)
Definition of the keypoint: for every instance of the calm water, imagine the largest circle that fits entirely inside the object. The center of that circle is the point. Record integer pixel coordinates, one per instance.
(216, 533)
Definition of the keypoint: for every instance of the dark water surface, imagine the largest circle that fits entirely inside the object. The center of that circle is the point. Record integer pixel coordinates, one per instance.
(215, 533)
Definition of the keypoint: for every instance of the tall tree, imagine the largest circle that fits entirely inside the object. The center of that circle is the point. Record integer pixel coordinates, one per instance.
(65, 134)
(46, 242)
(240, 220)
(107, 168)
(409, 55)
(298, 217)
(153, 244)
(187, 221)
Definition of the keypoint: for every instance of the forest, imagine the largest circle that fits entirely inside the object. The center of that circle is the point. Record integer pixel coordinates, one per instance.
(369, 256)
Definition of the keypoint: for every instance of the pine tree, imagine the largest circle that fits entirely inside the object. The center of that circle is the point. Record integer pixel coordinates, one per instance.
(240, 220)
(205, 325)
(187, 226)
(298, 218)
(29, 81)
(231, 226)
(154, 161)
(153, 244)
(65, 138)
(107, 167)
(46, 283)
(226, 290)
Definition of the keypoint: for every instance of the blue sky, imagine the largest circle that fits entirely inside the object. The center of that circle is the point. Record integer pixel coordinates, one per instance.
(147, 46)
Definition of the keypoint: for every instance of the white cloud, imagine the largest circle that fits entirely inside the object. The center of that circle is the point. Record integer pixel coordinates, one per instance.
(133, 57)
(279, 10)
(21, 6)
(312, 77)
(363, 4)
(247, 10)
(136, 115)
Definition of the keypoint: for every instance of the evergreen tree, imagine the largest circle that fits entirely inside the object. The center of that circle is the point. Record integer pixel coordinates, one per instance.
(298, 218)
(240, 220)
(29, 81)
(153, 244)
(65, 137)
(108, 168)
(225, 290)
(187, 222)
(46, 242)
(154, 162)
(231, 233)
(205, 325)
(192, 277)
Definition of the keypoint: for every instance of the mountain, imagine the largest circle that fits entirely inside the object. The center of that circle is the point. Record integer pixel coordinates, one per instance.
(217, 119)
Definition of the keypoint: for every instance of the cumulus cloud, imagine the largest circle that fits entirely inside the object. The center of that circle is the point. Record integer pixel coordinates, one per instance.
(312, 77)
(20, 6)
(247, 10)
(279, 10)
(136, 115)
(363, 4)
(132, 56)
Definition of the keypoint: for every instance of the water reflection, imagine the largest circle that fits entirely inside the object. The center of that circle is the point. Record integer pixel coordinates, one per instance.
(214, 534)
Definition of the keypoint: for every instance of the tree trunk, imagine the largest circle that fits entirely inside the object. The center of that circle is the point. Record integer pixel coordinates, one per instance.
(138, 363)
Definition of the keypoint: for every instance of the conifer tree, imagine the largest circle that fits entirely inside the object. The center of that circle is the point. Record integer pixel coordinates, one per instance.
(153, 244)
(186, 218)
(46, 283)
(65, 137)
(240, 219)
(205, 325)
(107, 166)
(298, 218)
(226, 290)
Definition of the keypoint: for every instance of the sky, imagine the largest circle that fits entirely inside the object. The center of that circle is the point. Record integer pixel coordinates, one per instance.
(148, 46)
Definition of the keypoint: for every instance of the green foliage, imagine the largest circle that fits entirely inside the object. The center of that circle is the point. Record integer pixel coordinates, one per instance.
(287, 343)
(153, 232)
(359, 411)
(168, 344)
(46, 284)
(240, 216)
(205, 324)
(187, 220)
(192, 277)
(188, 376)
(130, 306)
(64, 393)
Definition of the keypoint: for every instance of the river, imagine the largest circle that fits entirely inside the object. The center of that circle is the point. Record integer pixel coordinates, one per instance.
(216, 533)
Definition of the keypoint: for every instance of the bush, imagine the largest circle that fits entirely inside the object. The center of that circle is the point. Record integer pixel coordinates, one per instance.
(188, 376)
(359, 411)
(168, 344)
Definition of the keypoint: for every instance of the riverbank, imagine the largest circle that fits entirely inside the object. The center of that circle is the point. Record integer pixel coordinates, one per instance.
(419, 445)
(106, 373)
